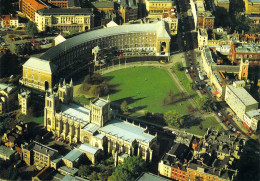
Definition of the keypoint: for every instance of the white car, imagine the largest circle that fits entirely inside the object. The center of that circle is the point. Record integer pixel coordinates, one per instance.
(219, 114)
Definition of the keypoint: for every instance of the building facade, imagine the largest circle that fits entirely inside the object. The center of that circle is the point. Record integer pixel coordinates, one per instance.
(29, 8)
(202, 38)
(38, 154)
(252, 6)
(251, 120)
(239, 100)
(153, 38)
(7, 21)
(222, 4)
(155, 8)
(64, 19)
(8, 97)
(171, 18)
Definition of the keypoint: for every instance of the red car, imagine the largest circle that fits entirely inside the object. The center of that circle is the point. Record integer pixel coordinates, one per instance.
(56, 137)
(238, 133)
(227, 123)
(61, 139)
(248, 134)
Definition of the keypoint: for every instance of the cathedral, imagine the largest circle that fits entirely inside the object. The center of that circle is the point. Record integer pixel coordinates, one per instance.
(96, 125)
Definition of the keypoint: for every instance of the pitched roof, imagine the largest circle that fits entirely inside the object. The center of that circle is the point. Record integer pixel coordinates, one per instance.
(106, 32)
(88, 148)
(73, 155)
(39, 64)
(126, 131)
(35, 4)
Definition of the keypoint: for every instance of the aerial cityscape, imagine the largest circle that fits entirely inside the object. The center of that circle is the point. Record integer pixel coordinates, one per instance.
(130, 90)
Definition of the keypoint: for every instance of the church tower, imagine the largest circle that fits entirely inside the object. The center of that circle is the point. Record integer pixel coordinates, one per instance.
(51, 102)
(66, 92)
(100, 111)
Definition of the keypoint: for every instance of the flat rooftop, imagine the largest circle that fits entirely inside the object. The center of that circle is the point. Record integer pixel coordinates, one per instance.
(126, 131)
(76, 112)
(243, 95)
(254, 113)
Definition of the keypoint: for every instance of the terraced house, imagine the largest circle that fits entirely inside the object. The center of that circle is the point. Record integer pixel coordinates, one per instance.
(42, 73)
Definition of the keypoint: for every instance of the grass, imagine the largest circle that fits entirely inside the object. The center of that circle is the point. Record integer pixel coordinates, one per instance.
(144, 88)
(81, 99)
(182, 76)
(209, 122)
(38, 120)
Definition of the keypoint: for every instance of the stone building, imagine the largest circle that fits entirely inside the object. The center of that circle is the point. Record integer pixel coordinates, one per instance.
(64, 19)
(222, 4)
(24, 98)
(8, 98)
(155, 8)
(38, 154)
(66, 57)
(170, 16)
(252, 6)
(93, 125)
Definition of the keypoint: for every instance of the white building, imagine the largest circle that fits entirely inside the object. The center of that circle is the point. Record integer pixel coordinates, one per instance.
(251, 119)
(239, 100)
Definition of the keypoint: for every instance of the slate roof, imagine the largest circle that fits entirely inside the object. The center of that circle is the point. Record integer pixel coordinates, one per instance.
(39, 64)
(150, 177)
(105, 32)
(73, 155)
(76, 112)
(6, 87)
(88, 148)
(126, 131)
(91, 127)
(60, 11)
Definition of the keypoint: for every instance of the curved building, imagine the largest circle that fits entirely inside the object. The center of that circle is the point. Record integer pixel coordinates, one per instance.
(154, 38)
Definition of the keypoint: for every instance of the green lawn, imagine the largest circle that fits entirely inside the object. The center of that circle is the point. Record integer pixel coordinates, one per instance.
(81, 99)
(209, 122)
(38, 120)
(182, 76)
(145, 88)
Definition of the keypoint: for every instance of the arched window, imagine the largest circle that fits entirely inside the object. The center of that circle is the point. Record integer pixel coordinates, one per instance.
(49, 121)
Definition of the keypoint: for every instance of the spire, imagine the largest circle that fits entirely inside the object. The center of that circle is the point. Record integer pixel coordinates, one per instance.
(71, 82)
(64, 82)
(108, 98)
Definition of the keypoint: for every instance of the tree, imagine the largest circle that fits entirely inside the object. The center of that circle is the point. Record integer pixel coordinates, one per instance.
(84, 171)
(94, 176)
(124, 106)
(129, 170)
(73, 31)
(31, 28)
(18, 50)
(173, 118)
(204, 103)
(179, 66)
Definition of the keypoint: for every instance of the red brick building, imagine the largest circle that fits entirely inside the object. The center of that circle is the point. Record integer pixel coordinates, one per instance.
(29, 7)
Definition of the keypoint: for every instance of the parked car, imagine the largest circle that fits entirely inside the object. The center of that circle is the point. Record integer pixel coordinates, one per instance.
(199, 87)
(227, 123)
(237, 133)
(219, 114)
(223, 119)
(56, 138)
(248, 134)
(230, 127)
(234, 129)
(196, 82)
